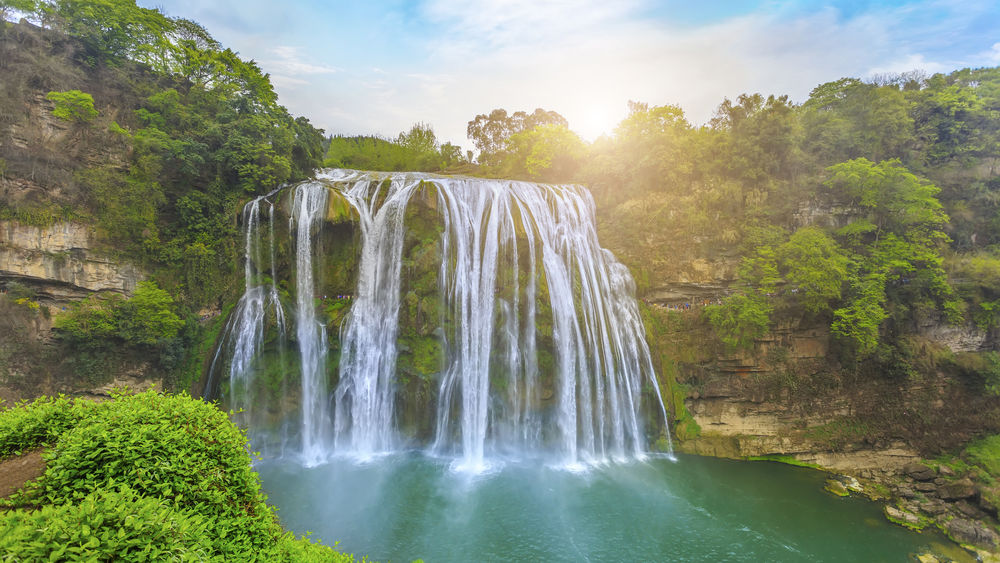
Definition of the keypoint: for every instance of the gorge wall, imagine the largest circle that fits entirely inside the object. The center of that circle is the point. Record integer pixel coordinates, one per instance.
(60, 262)
(789, 395)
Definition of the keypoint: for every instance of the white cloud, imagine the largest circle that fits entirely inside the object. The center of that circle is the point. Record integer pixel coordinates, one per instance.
(993, 55)
(287, 60)
(587, 59)
(444, 61)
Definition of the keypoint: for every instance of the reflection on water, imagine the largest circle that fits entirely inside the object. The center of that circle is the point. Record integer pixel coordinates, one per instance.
(408, 506)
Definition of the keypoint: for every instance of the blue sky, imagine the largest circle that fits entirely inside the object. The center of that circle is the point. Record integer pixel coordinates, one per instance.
(379, 66)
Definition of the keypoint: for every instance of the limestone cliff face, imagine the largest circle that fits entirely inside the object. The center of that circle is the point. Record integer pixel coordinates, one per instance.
(789, 396)
(60, 263)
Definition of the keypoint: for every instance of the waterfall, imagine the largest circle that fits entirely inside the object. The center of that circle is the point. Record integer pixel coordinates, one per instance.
(308, 209)
(543, 346)
(243, 336)
(365, 395)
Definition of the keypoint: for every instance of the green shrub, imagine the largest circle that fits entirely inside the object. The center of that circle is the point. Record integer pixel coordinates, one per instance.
(302, 550)
(30, 425)
(143, 477)
(740, 319)
(107, 525)
(88, 322)
(172, 447)
(73, 106)
(147, 318)
(986, 454)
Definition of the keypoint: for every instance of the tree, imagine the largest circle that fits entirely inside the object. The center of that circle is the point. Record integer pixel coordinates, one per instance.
(490, 133)
(816, 265)
(890, 198)
(740, 319)
(419, 139)
(23, 6)
(148, 317)
(73, 106)
(547, 152)
(113, 30)
(761, 145)
(858, 322)
(849, 119)
(895, 239)
(652, 148)
(451, 155)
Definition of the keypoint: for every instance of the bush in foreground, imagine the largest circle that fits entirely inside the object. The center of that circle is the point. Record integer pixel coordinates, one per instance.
(143, 477)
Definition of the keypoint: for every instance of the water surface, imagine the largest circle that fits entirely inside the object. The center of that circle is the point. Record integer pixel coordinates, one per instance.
(408, 506)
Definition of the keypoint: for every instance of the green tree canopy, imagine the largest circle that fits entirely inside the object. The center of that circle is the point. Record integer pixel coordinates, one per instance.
(816, 265)
(73, 106)
(490, 132)
(547, 152)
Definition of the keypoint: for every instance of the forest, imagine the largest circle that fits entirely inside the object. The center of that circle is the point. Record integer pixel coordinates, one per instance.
(903, 167)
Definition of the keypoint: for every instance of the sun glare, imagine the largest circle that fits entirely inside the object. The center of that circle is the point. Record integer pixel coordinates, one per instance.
(595, 120)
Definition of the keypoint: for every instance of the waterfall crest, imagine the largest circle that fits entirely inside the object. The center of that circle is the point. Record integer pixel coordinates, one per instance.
(543, 345)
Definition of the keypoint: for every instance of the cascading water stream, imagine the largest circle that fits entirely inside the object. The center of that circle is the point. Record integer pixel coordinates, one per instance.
(243, 337)
(521, 276)
(365, 396)
(309, 205)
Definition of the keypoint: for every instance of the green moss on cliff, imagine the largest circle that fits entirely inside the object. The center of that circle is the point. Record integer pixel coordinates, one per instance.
(660, 325)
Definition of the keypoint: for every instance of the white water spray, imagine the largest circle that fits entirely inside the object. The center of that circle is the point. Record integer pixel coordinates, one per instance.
(522, 278)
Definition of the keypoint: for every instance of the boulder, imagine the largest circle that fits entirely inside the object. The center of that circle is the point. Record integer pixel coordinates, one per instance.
(925, 487)
(918, 471)
(851, 483)
(903, 517)
(933, 507)
(974, 533)
(836, 487)
(963, 488)
(970, 510)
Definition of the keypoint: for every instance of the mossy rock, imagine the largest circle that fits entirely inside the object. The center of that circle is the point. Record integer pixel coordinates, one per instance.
(339, 210)
(905, 518)
(835, 487)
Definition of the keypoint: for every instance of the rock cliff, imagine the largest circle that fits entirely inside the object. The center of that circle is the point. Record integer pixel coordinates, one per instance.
(59, 262)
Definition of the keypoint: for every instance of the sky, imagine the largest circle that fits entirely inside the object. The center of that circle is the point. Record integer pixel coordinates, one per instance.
(379, 66)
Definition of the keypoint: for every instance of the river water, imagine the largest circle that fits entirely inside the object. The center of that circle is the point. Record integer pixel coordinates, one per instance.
(410, 506)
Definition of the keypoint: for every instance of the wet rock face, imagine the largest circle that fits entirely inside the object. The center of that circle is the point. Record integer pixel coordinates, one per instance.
(974, 533)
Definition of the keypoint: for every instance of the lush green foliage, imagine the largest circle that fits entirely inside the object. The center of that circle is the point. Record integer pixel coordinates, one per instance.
(416, 149)
(845, 207)
(548, 152)
(73, 106)
(205, 132)
(818, 268)
(491, 133)
(147, 476)
(986, 454)
(147, 318)
(107, 525)
(29, 425)
(740, 319)
(171, 134)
